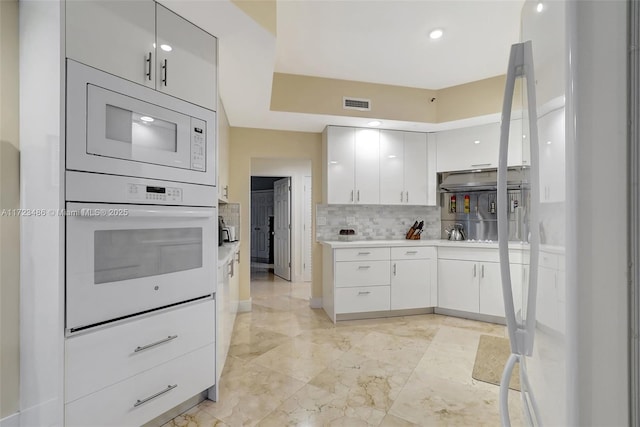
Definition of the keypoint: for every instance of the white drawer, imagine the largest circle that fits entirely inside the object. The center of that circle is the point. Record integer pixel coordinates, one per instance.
(364, 273)
(363, 299)
(362, 254)
(116, 404)
(548, 260)
(98, 359)
(413, 252)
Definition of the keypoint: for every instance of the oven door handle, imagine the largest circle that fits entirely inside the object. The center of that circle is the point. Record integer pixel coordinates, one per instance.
(111, 213)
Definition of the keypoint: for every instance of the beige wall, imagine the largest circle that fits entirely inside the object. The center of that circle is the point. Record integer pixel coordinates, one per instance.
(9, 199)
(247, 144)
(470, 99)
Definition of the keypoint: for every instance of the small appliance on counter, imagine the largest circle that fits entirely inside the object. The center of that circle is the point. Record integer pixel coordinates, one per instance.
(346, 234)
(221, 227)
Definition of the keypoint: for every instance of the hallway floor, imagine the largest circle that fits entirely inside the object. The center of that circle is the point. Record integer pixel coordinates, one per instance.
(289, 365)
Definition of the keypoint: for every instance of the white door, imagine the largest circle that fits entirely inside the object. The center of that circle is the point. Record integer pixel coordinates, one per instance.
(114, 36)
(186, 65)
(392, 167)
(340, 167)
(261, 209)
(367, 166)
(415, 168)
(282, 228)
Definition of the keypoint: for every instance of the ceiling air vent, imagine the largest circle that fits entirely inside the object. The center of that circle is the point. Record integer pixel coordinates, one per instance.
(356, 104)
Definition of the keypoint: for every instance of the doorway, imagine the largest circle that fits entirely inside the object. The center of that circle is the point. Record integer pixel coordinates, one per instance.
(271, 224)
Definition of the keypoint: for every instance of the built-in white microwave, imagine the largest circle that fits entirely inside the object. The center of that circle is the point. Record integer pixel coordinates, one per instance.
(115, 126)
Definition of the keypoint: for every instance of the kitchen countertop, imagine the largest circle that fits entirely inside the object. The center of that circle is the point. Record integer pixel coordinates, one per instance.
(226, 251)
(434, 242)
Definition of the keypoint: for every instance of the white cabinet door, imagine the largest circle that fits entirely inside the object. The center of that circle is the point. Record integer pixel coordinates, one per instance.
(415, 168)
(432, 174)
(491, 298)
(187, 57)
(458, 285)
(518, 145)
(367, 166)
(114, 36)
(410, 284)
(340, 165)
(392, 167)
(468, 148)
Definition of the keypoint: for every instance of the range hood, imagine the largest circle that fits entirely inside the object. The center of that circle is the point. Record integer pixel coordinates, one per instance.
(451, 182)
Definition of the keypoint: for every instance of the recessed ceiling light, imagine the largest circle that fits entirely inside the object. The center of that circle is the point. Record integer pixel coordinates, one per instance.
(146, 119)
(166, 47)
(436, 34)
(375, 123)
(539, 7)
(477, 141)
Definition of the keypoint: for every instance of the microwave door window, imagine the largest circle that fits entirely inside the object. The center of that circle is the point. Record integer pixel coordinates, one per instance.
(141, 131)
(132, 254)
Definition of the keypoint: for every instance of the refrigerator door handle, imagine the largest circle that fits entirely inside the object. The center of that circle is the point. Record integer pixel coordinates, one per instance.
(520, 334)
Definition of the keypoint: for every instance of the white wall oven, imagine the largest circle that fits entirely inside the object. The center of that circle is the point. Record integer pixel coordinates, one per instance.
(155, 249)
(119, 127)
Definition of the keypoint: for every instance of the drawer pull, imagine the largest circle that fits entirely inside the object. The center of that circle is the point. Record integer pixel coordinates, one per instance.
(364, 267)
(145, 347)
(153, 396)
(364, 253)
(364, 292)
(411, 252)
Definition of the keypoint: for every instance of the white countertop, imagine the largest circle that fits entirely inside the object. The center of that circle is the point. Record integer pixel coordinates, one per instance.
(435, 242)
(226, 251)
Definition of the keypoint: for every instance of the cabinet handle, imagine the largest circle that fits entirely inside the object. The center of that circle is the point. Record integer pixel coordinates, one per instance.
(358, 195)
(402, 197)
(226, 191)
(164, 68)
(231, 269)
(477, 165)
(407, 197)
(482, 271)
(364, 267)
(148, 60)
(364, 253)
(394, 268)
(474, 269)
(352, 195)
(153, 396)
(238, 257)
(364, 292)
(145, 347)
(411, 252)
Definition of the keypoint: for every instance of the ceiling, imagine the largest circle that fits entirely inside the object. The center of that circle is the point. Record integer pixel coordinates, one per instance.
(384, 42)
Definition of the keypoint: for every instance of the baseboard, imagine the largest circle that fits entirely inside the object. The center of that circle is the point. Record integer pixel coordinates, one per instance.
(244, 306)
(471, 316)
(315, 302)
(11, 420)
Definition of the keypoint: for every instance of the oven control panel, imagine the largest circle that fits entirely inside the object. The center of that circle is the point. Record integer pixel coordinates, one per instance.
(198, 144)
(151, 194)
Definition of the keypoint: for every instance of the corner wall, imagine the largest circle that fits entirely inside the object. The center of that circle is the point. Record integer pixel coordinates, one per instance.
(9, 199)
(247, 144)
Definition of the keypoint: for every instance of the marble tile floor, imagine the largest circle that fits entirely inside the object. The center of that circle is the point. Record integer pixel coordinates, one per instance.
(289, 365)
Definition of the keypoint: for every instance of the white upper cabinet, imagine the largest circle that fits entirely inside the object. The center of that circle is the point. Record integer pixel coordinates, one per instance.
(477, 147)
(144, 42)
(403, 168)
(353, 165)
(187, 57)
(367, 162)
(340, 152)
(551, 154)
(114, 36)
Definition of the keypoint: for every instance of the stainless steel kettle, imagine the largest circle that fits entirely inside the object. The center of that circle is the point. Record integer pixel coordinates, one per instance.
(456, 233)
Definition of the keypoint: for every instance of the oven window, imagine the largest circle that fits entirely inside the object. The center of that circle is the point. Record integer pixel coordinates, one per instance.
(132, 254)
(139, 130)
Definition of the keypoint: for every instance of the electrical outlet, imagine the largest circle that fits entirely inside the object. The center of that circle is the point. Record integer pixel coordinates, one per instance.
(321, 220)
(351, 220)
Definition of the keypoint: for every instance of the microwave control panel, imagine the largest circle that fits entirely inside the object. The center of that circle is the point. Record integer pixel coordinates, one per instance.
(145, 193)
(198, 144)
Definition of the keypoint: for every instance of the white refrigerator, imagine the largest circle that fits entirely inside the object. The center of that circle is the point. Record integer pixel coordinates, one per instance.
(567, 78)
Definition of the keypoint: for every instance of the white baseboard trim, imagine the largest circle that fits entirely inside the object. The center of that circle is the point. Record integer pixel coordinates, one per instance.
(11, 420)
(315, 302)
(244, 306)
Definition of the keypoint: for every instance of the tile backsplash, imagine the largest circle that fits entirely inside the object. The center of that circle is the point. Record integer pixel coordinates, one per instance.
(231, 214)
(375, 222)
